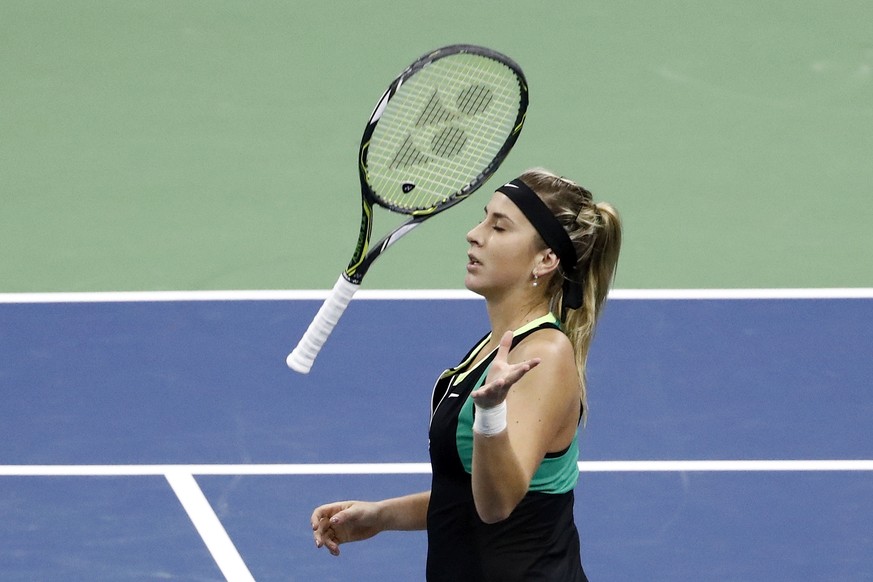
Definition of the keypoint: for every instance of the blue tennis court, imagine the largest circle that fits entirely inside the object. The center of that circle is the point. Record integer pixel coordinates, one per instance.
(199, 146)
(729, 438)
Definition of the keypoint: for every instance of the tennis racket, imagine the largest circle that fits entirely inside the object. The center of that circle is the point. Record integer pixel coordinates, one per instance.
(439, 131)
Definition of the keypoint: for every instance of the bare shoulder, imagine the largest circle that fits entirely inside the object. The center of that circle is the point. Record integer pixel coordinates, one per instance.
(553, 348)
(546, 399)
(547, 344)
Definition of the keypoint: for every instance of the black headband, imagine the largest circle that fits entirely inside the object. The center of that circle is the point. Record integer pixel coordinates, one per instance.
(552, 233)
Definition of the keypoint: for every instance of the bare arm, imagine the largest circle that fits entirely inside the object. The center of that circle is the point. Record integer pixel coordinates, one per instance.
(351, 521)
(541, 416)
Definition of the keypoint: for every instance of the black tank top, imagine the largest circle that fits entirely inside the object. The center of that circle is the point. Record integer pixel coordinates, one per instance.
(537, 542)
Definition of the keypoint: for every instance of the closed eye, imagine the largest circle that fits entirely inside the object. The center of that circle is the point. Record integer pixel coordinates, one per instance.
(498, 220)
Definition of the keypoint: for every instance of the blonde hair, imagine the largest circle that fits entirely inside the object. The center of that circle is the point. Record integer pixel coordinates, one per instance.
(595, 230)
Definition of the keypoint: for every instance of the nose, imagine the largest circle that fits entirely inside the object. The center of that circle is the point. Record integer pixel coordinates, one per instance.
(473, 235)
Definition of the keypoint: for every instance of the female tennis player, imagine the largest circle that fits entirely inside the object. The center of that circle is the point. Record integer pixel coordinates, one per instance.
(503, 433)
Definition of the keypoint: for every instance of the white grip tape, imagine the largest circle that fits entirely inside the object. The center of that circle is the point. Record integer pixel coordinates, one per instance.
(301, 359)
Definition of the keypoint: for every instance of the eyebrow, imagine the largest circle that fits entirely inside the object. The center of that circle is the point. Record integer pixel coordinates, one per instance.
(498, 215)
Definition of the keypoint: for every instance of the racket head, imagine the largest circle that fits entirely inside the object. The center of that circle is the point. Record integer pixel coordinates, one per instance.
(441, 129)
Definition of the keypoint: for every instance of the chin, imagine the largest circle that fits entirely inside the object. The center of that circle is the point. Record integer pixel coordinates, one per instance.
(472, 286)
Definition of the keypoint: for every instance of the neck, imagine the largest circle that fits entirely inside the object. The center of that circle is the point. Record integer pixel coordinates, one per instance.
(509, 314)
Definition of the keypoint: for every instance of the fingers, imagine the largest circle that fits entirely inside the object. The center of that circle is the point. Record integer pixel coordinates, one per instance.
(331, 543)
(517, 371)
(504, 346)
(322, 514)
(326, 536)
(512, 374)
(495, 391)
(514, 371)
(322, 521)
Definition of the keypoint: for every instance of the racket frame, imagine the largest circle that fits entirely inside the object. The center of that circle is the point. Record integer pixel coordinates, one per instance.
(303, 356)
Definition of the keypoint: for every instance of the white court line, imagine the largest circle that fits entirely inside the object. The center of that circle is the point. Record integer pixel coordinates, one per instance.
(244, 469)
(400, 294)
(727, 294)
(209, 527)
(798, 465)
(721, 466)
(252, 295)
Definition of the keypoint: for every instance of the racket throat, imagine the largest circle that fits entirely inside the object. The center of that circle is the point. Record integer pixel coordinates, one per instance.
(357, 269)
(400, 232)
(354, 273)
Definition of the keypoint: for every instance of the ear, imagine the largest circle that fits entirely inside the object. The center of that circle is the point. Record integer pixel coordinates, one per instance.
(545, 263)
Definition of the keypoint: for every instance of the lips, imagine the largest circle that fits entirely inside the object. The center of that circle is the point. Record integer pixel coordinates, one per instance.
(472, 263)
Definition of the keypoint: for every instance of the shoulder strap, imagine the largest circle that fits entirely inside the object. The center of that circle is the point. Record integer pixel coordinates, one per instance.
(546, 324)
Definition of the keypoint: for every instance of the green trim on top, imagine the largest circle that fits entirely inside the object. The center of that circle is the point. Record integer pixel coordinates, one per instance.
(555, 474)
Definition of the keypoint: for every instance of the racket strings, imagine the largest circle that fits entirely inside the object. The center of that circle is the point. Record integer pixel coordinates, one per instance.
(449, 142)
(442, 131)
(475, 99)
(408, 155)
(434, 112)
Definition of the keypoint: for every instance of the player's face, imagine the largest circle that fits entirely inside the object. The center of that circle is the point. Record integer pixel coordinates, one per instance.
(502, 250)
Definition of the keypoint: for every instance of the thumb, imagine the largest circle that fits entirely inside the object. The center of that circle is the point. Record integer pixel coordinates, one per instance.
(343, 516)
(505, 345)
(338, 518)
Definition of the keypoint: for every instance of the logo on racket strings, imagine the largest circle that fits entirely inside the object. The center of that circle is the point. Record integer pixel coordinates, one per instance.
(445, 126)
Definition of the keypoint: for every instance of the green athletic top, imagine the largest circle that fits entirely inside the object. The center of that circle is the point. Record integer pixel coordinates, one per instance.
(559, 472)
(539, 540)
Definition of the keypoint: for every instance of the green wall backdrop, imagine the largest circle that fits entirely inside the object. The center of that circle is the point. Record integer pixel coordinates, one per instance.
(188, 145)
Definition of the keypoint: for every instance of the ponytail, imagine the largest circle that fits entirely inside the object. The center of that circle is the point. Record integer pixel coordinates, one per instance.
(595, 229)
(596, 277)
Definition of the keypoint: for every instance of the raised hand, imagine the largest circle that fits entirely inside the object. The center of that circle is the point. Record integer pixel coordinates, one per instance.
(502, 375)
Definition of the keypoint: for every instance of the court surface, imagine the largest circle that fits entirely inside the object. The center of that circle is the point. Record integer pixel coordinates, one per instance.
(160, 436)
(199, 147)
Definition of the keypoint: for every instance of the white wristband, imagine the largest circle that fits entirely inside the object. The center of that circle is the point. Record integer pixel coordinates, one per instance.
(490, 421)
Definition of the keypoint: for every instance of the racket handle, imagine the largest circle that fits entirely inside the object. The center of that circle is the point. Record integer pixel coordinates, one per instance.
(301, 359)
